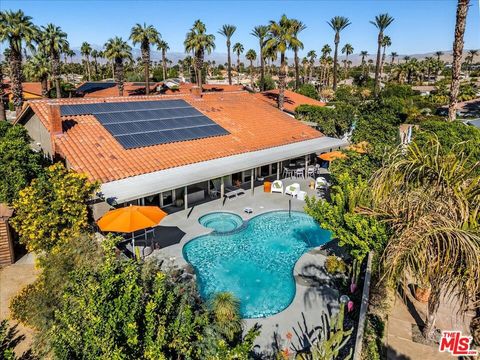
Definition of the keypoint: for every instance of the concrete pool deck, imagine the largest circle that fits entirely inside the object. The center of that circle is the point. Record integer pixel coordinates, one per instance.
(293, 327)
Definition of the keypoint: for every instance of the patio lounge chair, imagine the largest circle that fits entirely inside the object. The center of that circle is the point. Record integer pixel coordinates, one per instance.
(277, 186)
(292, 189)
(321, 182)
(233, 192)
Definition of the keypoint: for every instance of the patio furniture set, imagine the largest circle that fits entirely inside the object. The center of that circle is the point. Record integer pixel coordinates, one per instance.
(321, 187)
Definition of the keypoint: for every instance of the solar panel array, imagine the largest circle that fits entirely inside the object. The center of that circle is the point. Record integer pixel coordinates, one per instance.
(89, 87)
(143, 123)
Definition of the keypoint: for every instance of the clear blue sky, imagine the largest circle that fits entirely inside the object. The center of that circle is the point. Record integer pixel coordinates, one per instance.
(420, 26)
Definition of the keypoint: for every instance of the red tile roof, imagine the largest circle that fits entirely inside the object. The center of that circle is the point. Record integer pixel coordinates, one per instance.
(253, 125)
(292, 99)
(34, 88)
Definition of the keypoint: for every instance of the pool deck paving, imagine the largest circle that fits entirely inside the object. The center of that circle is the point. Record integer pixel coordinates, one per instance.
(293, 327)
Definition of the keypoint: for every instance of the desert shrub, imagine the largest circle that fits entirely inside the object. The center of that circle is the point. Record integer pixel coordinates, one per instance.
(335, 265)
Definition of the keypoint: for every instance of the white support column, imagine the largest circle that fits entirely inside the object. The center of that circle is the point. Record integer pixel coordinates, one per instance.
(185, 198)
(306, 166)
(222, 187)
(252, 180)
(278, 170)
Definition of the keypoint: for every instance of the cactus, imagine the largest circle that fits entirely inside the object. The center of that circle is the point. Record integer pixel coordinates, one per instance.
(332, 338)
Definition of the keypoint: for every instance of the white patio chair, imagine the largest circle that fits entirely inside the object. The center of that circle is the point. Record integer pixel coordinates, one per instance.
(311, 171)
(300, 173)
(277, 186)
(321, 182)
(292, 189)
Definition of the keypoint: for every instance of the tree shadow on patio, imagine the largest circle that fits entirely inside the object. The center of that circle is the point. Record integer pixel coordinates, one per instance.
(321, 286)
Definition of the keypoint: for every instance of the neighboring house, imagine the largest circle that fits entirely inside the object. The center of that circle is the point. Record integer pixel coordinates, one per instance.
(31, 90)
(424, 90)
(171, 150)
(291, 100)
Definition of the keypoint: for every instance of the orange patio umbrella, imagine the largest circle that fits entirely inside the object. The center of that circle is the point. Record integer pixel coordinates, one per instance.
(361, 147)
(332, 155)
(131, 219)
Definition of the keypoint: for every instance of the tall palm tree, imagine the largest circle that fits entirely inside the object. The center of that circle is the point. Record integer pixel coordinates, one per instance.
(238, 49)
(261, 32)
(363, 54)
(431, 203)
(438, 54)
(53, 40)
(281, 38)
(228, 31)
(95, 55)
(199, 42)
(117, 50)
(38, 67)
(386, 42)
(461, 20)
(337, 23)
(17, 29)
(3, 115)
(86, 50)
(163, 47)
(297, 28)
(326, 50)
(145, 35)
(471, 55)
(251, 56)
(312, 55)
(393, 55)
(226, 315)
(381, 22)
(71, 54)
(347, 50)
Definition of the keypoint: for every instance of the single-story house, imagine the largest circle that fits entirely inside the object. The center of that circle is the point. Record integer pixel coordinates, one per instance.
(171, 150)
(31, 90)
(291, 100)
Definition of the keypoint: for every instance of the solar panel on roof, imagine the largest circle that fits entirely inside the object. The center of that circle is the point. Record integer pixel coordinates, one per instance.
(144, 123)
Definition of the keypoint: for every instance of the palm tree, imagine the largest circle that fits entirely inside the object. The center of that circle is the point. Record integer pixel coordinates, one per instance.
(461, 19)
(312, 55)
(145, 35)
(95, 54)
(431, 203)
(363, 54)
(347, 50)
(71, 54)
(3, 115)
(17, 29)
(162, 46)
(281, 38)
(471, 55)
(251, 56)
(198, 42)
(117, 50)
(228, 31)
(406, 58)
(238, 49)
(337, 23)
(298, 27)
(381, 22)
(386, 42)
(226, 315)
(86, 50)
(39, 67)
(438, 53)
(53, 39)
(326, 50)
(261, 32)
(393, 55)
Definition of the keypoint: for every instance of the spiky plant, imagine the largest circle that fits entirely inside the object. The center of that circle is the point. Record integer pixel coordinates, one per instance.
(226, 315)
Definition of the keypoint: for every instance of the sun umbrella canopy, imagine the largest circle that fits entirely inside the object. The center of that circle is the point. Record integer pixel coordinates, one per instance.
(131, 218)
(332, 155)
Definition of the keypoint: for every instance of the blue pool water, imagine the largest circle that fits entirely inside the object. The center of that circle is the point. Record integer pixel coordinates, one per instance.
(221, 221)
(256, 262)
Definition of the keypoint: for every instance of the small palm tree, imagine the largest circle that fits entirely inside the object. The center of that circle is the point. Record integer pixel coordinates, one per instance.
(145, 35)
(39, 67)
(337, 23)
(86, 50)
(386, 42)
(17, 29)
(381, 22)
(393, 55)
(438, 54)
(163, 47)
(199, 42)
(461, 19)
(251, 56)
(261, 32)
(117, 50)
(238, 49)
(312, 55)
(298, 27)
(363, 54)
(282, 37)
(228, 31)
(226, 315)
(347, 50)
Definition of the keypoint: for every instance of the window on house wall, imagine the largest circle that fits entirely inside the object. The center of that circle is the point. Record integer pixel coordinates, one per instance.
(167, 198)
(153, 200)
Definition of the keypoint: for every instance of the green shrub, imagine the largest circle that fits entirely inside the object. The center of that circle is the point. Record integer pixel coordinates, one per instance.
(267, 84)
(309, 91)
(335, 265)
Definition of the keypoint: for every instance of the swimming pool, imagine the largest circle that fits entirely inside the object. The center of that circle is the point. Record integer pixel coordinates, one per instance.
(256, 262)
(221, 221)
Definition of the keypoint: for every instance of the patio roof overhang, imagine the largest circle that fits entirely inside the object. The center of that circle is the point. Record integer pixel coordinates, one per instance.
(136, 187)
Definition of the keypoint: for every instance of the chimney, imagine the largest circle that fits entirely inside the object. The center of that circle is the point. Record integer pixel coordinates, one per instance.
(196, 92)
(55, 120)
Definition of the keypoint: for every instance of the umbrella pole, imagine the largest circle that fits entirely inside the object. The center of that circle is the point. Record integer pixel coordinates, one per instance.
(133, 247)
